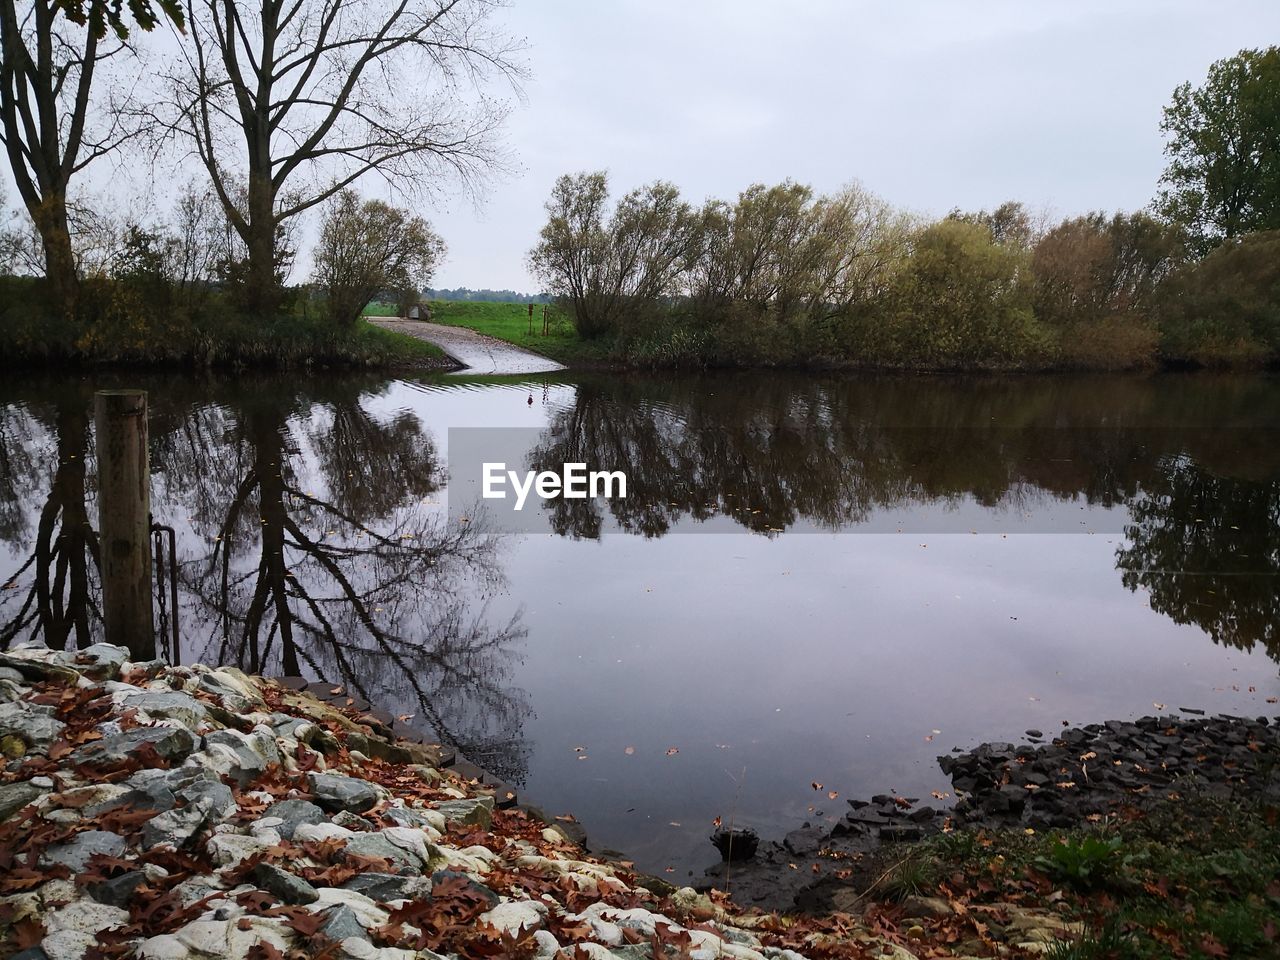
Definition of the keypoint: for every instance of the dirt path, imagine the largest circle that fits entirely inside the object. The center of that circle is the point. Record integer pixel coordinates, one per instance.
(477, 353)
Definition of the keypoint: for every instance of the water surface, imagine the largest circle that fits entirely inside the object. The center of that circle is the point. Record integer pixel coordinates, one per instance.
(812, 581)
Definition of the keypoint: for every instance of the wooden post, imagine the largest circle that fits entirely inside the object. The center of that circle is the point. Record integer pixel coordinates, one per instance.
(531, 319)
(124, 519)
(544, 319)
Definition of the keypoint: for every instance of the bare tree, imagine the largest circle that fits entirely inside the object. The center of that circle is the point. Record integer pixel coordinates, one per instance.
(316, 94)
(50, 126)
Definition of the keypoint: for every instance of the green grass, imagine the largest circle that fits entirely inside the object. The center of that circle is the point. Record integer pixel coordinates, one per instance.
(510, 322)
(1194, 877)
(396, 348)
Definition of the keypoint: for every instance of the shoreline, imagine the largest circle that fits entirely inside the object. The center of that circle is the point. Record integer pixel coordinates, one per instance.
(180, 813)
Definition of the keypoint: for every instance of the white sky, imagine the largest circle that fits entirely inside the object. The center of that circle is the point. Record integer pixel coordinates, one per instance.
(931, 103)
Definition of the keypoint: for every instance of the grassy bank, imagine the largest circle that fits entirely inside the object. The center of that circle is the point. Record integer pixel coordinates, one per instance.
(208, 337)
(1194, 877)
(510, 322)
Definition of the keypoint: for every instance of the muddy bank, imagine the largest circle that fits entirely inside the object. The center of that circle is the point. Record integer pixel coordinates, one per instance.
(1080, 776)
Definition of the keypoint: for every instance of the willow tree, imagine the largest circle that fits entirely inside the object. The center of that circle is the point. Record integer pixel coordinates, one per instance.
(288, 102)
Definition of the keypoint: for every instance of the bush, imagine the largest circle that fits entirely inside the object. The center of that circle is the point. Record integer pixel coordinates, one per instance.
(963, 301)
(1225, 310)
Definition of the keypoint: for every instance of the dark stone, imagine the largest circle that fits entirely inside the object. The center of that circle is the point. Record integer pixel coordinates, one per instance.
(15, 796)
(341, 924)
(474, 887)
(173, 744)
(380, 886)
(899, 833)
(75, 853)
(921, 814)
(334, 792)
(1035, 733)
(805, 841)
(736, 845)
(284, 885)
(117, 891)
(294, 813)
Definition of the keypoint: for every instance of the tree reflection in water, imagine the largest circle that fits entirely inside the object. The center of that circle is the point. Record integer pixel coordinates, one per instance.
(307, 548)
(1193, 459)
(308, 545)
(54, 595)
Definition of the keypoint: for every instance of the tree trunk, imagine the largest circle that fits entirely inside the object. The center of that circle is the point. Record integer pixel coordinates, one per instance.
(50, 218)
(262, 294)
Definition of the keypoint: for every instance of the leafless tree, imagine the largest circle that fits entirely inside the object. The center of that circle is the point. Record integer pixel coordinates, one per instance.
(50, 123)
(316, 94)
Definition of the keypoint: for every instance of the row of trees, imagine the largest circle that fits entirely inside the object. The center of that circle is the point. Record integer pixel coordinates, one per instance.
(781, 273)
(286, 104)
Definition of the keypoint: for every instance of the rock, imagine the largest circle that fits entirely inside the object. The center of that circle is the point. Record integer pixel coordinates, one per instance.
(65, 945)
(168, 705)
(293, 814)
(33, 725)
(475, 812)
(341, 923)
(118, 890)
(237, 691)
(284, 885)
(381, 846)
(926, 907)
(384, 887)
(804, 842)
(229, 849)
(164, 947)
(353, 821)
(245, 757)
(368, 913)
(102, 661)
(15, 796)
(85, 917)
(479, 888)
(409, 817)
(515, 915)
(205, 804)
(334, 792)
(75, 853)
(32, 668)
(173, 744)
(321, 831)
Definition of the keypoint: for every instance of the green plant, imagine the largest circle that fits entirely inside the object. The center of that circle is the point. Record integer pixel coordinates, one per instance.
(1105, 942)
(1088, 862)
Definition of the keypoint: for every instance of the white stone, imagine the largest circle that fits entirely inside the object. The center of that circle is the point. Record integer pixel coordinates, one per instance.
(58, 891)
(86, 916)
(368, 912)
(321, 831)
(261, 929)
(359, 949)
(548, 945)
(229, 849)
(593, 951)
(67, 945)
(206, 936)
(515, 914)
(164, 947)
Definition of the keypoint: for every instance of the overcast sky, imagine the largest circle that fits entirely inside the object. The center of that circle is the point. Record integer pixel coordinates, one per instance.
(933, 104)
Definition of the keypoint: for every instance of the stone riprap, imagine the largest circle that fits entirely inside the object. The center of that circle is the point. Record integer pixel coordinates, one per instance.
(183, 813)
(1083, 775)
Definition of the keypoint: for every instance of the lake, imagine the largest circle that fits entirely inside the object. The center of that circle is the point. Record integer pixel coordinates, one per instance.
(814, 586)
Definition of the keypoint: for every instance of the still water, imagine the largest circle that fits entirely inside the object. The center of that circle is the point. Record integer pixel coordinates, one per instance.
(811, 582)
